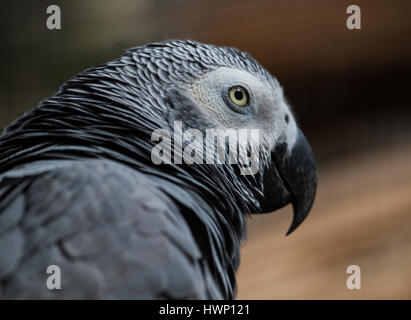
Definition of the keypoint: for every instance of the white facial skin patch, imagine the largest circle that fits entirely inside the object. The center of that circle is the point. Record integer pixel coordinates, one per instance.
(267, 109)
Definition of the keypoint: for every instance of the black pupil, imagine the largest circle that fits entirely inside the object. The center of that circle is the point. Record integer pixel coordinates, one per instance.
(238, 94)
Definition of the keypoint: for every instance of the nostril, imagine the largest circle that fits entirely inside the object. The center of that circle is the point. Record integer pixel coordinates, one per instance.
(287, 118)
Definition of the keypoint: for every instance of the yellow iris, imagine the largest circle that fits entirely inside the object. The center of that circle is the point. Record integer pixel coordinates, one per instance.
(239, 96)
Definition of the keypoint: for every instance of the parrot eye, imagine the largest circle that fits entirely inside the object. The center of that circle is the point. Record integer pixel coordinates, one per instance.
(239, 96)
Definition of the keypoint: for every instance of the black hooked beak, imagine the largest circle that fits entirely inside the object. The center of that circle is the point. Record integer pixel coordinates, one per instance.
(292, 177)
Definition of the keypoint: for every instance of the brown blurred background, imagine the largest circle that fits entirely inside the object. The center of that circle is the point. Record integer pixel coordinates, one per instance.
(349, 89)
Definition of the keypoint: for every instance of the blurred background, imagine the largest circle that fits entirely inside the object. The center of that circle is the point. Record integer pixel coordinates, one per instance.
(350, 90)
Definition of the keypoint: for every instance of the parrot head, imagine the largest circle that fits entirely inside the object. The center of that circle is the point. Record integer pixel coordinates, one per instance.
(207, 87)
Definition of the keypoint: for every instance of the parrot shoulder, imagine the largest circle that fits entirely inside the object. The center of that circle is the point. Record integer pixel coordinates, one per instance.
(112, 232)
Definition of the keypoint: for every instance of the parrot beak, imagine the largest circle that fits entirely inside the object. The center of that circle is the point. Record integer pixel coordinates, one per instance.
(292, 177)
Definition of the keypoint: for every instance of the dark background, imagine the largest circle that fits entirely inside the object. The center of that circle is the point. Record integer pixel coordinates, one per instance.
(350, 90)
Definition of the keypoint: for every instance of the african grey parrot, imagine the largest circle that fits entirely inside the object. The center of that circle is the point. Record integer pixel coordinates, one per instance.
(79, 189)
